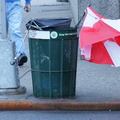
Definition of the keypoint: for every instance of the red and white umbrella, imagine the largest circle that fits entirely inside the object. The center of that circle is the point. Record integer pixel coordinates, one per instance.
(100, 39)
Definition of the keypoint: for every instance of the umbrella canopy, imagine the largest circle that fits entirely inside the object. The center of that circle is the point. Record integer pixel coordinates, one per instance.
(100, 39)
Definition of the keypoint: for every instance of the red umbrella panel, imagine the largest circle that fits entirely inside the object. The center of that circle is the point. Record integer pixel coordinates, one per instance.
(100, 39)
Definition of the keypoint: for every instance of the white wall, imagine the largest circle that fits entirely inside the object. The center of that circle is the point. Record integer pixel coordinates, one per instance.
(74, 8)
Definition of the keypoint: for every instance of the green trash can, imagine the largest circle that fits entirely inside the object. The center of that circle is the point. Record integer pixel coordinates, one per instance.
(53, 56)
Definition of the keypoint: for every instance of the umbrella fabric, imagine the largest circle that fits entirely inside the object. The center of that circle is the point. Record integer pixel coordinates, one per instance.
(100, 39)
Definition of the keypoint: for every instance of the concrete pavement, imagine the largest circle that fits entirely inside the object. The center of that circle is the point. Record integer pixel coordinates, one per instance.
(97, 86)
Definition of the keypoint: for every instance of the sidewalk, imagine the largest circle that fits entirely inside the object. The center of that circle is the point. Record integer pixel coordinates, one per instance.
(97, 87)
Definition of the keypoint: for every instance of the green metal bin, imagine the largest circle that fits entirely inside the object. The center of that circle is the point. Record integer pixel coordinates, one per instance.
(53, 56)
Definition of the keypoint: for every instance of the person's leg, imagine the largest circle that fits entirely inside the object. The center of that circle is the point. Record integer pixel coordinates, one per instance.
(14, 18)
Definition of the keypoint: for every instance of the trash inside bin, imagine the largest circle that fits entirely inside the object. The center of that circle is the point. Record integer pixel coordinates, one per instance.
(49, 24)
(53, 57)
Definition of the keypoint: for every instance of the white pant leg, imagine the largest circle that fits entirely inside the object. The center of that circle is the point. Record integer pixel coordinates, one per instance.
(14, 19)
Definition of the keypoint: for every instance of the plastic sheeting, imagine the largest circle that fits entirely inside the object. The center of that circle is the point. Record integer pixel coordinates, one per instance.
(49, 24)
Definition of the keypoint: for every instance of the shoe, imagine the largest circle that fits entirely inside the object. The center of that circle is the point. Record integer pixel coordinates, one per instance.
(22, 59)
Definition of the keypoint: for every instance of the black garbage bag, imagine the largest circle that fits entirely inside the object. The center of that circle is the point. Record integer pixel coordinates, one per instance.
(49, 24)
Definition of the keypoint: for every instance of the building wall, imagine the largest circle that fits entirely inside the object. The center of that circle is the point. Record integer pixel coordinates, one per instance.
(107, 8)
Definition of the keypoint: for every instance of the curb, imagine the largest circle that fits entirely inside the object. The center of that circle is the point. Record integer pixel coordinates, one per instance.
(66, 106)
